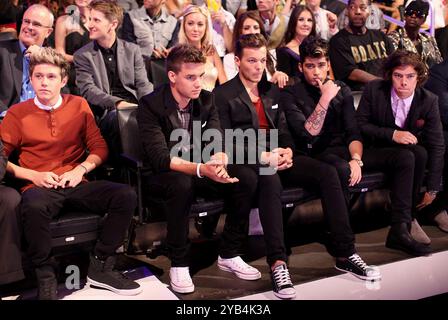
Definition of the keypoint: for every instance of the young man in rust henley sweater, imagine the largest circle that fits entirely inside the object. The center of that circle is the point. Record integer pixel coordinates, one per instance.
(52, 134)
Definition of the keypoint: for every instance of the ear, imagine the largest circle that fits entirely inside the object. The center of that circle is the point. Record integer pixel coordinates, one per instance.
(49, 31)
(64, 81)
(237, 61)
(172, 76)
(300, 67)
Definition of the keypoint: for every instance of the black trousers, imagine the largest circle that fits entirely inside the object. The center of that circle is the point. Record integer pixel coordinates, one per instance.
(173, 193)
(405, 166)
(10, 248)
(262, 192)
(323, 178)
(40, 205)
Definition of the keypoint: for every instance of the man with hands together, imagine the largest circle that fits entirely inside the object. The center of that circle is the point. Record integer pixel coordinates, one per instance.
(58, 142)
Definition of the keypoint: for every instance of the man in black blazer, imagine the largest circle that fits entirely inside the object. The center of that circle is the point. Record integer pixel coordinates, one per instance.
(401, 125)
(438, 84)
(172, 121)
(37, 25)
(321, 118)
(246, 103)
(10, 249)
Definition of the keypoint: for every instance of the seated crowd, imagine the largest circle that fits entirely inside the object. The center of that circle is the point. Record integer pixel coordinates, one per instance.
(282, 72)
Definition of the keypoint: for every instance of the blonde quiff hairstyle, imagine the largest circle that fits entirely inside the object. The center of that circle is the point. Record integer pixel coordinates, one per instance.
(206, 41)
(46, 55)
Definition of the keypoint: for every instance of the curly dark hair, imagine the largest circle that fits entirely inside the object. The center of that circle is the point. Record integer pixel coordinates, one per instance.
(401, 58)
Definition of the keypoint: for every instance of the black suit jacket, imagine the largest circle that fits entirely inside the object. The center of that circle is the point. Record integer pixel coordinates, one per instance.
(339, 128)
(157, 117)
(236, 110)
(377, 124)
(11, 70)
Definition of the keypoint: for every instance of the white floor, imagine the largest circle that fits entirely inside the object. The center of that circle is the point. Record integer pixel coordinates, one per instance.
(410, 279)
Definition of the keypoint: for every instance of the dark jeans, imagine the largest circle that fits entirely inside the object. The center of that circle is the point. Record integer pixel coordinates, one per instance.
(173, 193)
(323, 178)
(10, 249)
(110, 130)
(40, 205)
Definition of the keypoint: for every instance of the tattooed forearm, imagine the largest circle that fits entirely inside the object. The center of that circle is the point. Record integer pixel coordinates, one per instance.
(315, 121)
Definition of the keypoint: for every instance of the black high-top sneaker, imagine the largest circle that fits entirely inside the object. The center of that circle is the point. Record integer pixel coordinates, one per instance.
(46, 283)
(102, 275)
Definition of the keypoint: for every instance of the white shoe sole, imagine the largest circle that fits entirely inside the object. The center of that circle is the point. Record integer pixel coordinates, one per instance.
(131, 292)
(284, 296)
(182, 289)
(240, 275)
(360, 277)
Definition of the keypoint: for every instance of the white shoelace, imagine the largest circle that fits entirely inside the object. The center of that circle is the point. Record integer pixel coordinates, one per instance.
(240, 264)
(281, 276)
(357, 260)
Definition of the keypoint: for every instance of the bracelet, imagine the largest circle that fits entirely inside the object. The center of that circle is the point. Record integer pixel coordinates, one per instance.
(318, 102)
(85, 168)
(198, 173)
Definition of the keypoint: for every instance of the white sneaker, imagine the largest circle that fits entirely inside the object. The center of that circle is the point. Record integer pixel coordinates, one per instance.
(180, 280)
(240, 268)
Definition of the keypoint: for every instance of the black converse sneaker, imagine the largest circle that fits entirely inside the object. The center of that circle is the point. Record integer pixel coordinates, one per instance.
(281, 282)
(357, 267)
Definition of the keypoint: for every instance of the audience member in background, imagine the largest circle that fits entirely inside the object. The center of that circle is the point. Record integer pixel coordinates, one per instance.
(274, 24)
(438, 84)
(37, 25)
(128, 5)
(249, 102)
(110, 72)
(152, 28)
(195, 30)
(325, 20)
(8, 19)
(10, 248)
(250, 22)
(411, 39)
(58, 143)
(301, 25)
(400, 121)
(375, 20)
(72, 34)
(356, 52)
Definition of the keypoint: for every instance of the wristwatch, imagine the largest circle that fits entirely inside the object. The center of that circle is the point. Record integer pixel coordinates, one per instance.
(359, 161)
(433, 193)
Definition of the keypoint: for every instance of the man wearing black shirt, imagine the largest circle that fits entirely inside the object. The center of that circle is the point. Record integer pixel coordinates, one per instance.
(356, 53)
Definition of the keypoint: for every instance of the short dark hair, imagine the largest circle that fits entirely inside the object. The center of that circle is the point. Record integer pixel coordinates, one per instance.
(183, 53)
(238, 27)
(401, 58)
(254, 41)
(369, 2)
(313, 47)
